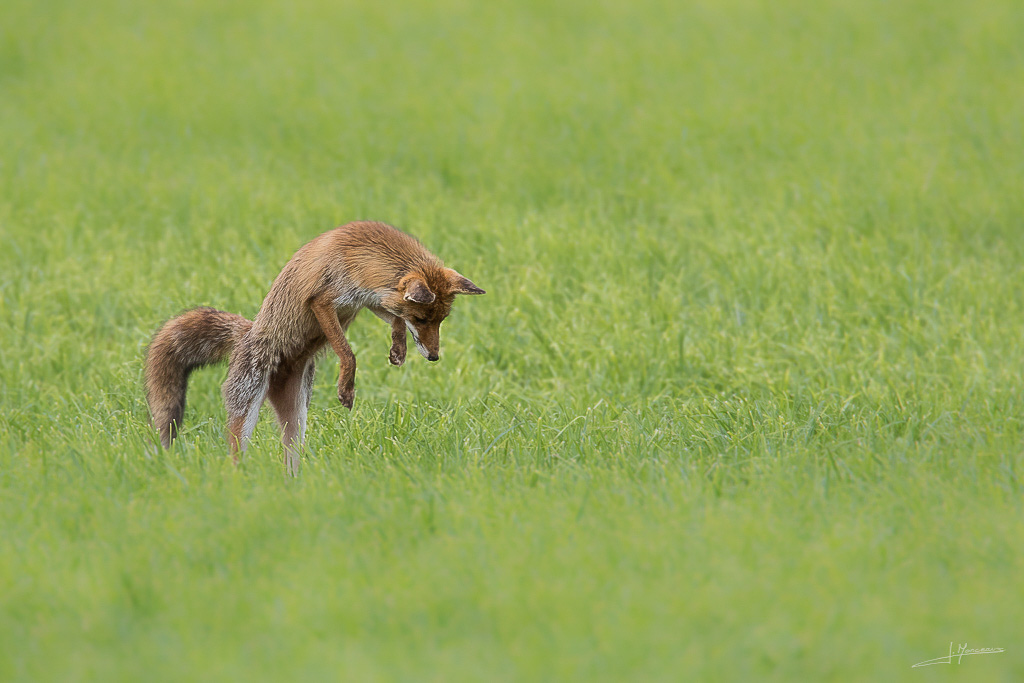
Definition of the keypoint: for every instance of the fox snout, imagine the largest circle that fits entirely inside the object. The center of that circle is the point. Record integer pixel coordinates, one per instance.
(431, 355)
(428, 340)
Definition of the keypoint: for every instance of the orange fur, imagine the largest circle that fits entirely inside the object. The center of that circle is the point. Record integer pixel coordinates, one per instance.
(311, 303)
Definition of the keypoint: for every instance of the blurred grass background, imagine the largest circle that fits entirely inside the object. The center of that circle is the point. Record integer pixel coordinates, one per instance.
(743, 400)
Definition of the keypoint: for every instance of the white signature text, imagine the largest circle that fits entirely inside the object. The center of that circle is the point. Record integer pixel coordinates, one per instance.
(958, 654)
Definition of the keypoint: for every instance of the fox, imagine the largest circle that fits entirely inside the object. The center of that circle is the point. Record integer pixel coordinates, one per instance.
(310, 305)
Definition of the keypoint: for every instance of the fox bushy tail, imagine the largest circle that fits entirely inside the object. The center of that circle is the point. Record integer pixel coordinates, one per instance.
(195, 338)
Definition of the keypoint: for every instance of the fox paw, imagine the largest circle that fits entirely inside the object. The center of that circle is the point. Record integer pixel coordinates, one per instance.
(397, 356)
(347, 397)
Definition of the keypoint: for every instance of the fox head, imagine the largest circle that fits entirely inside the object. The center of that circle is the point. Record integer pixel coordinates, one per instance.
(423, 299)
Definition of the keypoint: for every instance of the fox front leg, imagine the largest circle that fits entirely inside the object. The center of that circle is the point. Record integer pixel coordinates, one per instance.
(347, 382)
(327, 315)
(397, 355)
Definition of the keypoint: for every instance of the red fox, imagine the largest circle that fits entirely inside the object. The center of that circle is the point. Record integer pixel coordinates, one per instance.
(311, 303)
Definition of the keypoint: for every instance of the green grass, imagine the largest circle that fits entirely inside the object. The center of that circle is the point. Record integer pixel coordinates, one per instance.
(743, 401)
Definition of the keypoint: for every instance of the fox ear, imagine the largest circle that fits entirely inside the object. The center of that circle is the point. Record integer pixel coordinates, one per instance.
(418, 292)
(462, 285)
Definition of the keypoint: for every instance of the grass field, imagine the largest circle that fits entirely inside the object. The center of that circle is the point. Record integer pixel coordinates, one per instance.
(743, 401)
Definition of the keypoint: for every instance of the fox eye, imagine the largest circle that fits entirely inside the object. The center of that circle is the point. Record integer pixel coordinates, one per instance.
(419, 320)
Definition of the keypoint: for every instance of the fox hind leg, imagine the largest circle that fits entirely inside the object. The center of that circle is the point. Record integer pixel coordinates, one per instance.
(242, 424)
(290, 393)
(244, 391)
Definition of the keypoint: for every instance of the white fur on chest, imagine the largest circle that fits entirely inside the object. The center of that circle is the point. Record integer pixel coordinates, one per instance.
(352, 300)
